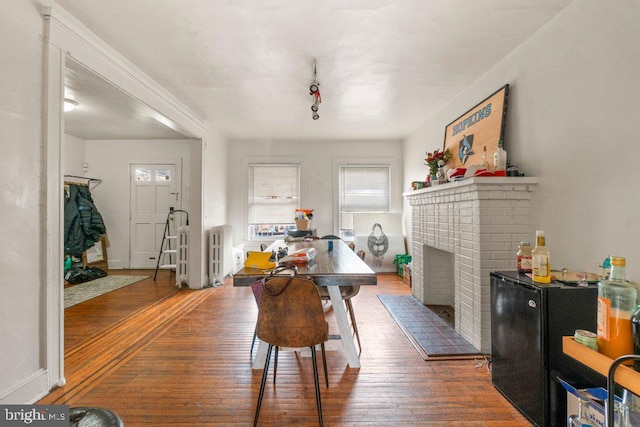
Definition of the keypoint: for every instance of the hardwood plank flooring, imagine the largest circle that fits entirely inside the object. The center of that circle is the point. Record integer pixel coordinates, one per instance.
(94, 316)
(194, 369)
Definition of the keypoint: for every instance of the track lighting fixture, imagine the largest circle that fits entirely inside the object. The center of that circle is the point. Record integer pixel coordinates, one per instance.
(314, 90)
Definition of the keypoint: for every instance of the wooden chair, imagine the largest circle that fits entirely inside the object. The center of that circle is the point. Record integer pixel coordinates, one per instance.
(290, 315)
(256, 288)
(263, 247)
(347, 292)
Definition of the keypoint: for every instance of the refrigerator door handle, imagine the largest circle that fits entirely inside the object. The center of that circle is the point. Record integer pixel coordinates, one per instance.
(532, 303)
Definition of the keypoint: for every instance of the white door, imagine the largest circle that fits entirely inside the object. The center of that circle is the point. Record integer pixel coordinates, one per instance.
(154, 189)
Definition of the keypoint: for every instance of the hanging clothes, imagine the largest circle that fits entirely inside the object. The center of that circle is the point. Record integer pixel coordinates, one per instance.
(83, 224)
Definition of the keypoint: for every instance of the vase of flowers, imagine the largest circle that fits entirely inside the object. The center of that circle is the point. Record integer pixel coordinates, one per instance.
(436, 162)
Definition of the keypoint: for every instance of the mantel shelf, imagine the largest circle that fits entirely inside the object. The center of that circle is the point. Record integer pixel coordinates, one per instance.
(626, 377)
(478, 181)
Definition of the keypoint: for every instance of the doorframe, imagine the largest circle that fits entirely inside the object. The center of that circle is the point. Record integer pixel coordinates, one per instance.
(155, 161)
(64, 36)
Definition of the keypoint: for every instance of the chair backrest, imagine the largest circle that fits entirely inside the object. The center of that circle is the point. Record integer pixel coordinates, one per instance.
(352, 246)
(291, 317)
(256, 287)
(361, 254)
(331, 237)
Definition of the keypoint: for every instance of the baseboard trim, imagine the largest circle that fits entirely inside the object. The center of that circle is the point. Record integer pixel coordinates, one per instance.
(27, 391)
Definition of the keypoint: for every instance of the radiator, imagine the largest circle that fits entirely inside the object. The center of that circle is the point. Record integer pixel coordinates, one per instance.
(182, 258)
(220, 254)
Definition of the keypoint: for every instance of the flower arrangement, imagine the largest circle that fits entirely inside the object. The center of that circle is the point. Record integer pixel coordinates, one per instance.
(434, 159)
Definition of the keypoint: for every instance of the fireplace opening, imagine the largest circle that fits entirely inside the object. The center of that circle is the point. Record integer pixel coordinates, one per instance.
(445, 312)
(439, 277)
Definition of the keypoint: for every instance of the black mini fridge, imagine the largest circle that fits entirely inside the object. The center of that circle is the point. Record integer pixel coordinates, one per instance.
(528, 321)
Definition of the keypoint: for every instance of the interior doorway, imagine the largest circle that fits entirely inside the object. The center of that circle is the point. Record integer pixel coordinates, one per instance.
(142, 164)
(67, 42)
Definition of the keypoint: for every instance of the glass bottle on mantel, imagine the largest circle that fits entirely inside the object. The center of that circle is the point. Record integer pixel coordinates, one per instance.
(500, 160)
(540, 260)
(485, 162)
(617, 300)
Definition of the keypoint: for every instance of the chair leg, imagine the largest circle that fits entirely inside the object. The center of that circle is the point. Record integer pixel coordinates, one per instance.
(253, 343)
(262, 384)
(275, 365)
(353, 322)
(317, 382)
(324, 362)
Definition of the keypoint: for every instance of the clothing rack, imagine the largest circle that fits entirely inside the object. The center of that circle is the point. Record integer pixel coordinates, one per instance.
(90, 181)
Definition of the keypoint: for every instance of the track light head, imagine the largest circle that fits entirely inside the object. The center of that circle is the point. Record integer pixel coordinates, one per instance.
(314, 90)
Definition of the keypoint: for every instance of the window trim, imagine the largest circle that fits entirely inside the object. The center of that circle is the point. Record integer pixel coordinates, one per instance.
(265, 160)
(390, 162)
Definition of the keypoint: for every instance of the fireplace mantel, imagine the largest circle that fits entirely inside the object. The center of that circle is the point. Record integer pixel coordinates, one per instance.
(460, 232)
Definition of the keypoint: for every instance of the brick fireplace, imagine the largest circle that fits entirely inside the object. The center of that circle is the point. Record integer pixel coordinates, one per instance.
(460, 232)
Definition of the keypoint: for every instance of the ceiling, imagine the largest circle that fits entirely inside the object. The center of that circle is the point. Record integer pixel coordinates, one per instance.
(245, 66)
(106, 112)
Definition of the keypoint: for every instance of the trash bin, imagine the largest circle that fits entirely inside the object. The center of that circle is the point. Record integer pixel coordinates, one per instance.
(400, 261)
(93, 417)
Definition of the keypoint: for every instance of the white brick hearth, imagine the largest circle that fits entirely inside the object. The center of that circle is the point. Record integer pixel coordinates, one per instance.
(461, 232)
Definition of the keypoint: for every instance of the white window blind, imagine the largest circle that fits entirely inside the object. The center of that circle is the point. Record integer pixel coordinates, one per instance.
(274, 195)
(363, 189)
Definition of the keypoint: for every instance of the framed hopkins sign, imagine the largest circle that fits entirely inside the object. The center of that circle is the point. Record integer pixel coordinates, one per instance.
(482, 126)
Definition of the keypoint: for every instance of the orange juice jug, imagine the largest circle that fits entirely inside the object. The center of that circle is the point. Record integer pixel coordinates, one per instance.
(616, 304)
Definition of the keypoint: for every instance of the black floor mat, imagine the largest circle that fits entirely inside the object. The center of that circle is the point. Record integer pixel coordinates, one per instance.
(429, 333)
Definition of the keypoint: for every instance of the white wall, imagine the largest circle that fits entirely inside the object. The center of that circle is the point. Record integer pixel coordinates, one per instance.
(215, 180)
(214, 190)
(571, 121)
(22, 282)
(73, 155)
(317, 175)
(110, 161)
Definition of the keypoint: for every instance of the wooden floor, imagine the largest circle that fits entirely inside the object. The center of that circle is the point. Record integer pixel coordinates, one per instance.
(161, 357)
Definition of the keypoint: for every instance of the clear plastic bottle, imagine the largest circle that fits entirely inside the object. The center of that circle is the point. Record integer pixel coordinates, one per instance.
(617, 300)
(581, 418)
(540, 260)
(524, 257)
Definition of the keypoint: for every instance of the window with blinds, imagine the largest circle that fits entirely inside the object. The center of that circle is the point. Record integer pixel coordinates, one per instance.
(274, 195)
(362, 189)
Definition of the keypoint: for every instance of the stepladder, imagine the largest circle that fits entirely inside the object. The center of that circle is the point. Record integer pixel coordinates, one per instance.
(169, 253)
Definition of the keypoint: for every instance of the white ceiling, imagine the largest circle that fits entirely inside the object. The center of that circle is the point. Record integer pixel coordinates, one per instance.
(384, 66)
(105, 112)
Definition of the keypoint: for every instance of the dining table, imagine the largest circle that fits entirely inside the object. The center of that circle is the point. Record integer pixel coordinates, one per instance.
(334, 265)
